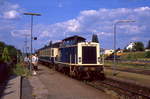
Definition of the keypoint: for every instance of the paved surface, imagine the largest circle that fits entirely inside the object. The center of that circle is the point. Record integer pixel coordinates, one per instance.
(2, 88)
(39, 90)
(26, 90)
(12, 89)
(62, 87)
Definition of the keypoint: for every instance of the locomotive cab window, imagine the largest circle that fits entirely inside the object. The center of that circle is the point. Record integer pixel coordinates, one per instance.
(89, 55)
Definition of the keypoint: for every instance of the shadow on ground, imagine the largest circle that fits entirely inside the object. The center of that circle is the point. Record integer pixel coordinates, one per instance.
(4, 85)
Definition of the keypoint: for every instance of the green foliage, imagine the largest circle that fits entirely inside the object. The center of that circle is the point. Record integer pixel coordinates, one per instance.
(133, 55)
(5, 55)
(95, 38)
(139, 46)
(12, 52)
(21, 70)
(2, 45)
(147, 54)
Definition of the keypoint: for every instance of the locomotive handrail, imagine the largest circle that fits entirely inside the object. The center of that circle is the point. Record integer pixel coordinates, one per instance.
(78, 64)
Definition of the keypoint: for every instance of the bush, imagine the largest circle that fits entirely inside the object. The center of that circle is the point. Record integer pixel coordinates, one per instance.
(133, 55)
(21, 70)
(5, 55)
(147, 54)
(139, 46)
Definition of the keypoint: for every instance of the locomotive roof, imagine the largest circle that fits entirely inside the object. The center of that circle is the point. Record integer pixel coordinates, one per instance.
(55, 45)
(74, 37)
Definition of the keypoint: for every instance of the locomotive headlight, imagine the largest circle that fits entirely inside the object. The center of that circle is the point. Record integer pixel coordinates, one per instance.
(79, 59)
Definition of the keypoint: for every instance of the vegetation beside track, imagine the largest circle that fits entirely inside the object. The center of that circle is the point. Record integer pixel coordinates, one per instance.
(134, 77)
(133, 55)
(129, 64)
(9, 56)
(131, 60)
(21, 70)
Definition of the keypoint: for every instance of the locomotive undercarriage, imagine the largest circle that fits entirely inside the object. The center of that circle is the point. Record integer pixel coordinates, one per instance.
(82, 72)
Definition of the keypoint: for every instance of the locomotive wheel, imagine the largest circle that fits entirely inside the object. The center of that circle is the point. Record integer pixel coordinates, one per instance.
(102, 76)
(66, 71)
(78, 75)
(56, 67)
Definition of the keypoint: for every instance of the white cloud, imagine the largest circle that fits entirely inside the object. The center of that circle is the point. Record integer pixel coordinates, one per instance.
(10, 11)
(45, 34)
(20, 33)
(12, 14)
(99, 22)
(89, 12)
(142, 9)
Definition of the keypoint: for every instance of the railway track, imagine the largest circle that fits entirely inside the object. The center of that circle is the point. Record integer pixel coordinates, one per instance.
(135, 70)
(122, 89)
(128, 61)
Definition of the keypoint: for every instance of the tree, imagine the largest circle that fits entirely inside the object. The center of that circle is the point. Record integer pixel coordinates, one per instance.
(2, 45)
(50, 44)
(148, 45)
(95, 38)
(12, 50)
(147, 54)
(5, 55)
(139, 46)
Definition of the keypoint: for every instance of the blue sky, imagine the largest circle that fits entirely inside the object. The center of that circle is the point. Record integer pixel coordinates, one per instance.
(63, 18)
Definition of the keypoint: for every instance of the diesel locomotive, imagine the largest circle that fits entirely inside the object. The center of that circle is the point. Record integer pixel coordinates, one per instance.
(74, 56)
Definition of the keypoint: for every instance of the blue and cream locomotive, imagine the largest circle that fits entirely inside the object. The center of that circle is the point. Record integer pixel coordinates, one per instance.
(75, 57)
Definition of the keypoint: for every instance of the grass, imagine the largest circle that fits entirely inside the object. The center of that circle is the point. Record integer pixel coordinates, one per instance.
(21, 70)
(138, 78)
(133, 56)
(138, 65)
(144, 59)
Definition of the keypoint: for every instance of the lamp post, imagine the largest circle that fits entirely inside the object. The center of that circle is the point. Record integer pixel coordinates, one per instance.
(115, 24)
(31, 14)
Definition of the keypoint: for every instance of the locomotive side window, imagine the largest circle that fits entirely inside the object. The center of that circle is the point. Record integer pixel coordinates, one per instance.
(52, 52)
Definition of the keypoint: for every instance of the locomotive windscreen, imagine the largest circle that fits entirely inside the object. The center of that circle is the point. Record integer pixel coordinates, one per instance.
(89, 55)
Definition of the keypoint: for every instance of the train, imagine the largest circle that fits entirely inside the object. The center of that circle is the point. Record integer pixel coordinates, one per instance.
(74, 56)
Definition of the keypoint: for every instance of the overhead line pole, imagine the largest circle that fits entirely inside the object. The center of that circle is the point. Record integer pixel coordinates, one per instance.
(31, 14)
(115, 24)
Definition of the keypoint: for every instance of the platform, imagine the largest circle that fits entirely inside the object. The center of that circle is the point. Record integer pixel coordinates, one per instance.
(12, 89)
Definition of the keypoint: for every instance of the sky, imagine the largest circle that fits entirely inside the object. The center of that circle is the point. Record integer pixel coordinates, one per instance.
(64, 18)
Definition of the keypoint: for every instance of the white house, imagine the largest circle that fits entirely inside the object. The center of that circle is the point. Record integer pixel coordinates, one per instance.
(130, 46)
(108, 52)
(146, 50)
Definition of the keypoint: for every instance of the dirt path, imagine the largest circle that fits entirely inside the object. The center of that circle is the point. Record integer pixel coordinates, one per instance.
(62, 87)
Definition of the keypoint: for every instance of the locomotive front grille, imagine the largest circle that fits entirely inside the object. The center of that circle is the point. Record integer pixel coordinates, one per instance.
(89, 55)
